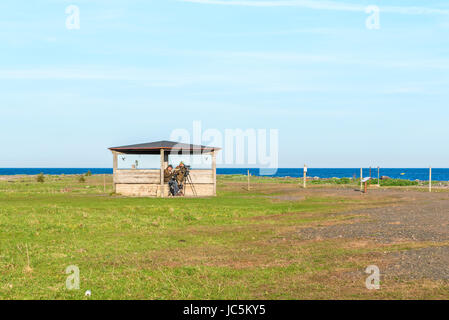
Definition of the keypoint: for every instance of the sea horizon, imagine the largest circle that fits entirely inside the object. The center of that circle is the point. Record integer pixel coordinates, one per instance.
(438, 174)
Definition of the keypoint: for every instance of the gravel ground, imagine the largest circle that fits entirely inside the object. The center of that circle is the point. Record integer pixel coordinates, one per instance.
(414, 217)
(430, 263)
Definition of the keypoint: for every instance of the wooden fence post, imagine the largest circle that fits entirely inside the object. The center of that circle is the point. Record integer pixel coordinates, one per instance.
(305, 176)
(361, 178)
(430, 179)
(378, 176)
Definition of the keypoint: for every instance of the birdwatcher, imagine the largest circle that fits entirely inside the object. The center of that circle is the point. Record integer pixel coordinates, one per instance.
(180, 174)
(168, 173)
(172, 183)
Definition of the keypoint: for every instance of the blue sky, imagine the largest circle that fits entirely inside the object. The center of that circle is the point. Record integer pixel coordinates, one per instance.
(339, 94)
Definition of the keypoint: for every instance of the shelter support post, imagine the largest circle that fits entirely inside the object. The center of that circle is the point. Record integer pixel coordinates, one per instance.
(214, 171)
(165, 160)
(162, 191)
(114, 169)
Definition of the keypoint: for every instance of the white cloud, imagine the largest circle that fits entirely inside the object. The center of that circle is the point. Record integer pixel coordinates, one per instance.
(156, 78)
(321, 5)
(165, 78)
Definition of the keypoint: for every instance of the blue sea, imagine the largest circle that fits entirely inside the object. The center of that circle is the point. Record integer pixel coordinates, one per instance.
(438, 174)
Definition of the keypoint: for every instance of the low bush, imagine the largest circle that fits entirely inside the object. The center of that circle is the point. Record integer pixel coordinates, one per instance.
(395, 182)
(40, 178)
(332, 181)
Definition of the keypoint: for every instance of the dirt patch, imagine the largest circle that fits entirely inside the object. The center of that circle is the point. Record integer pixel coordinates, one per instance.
(287, 198)
(12, 178)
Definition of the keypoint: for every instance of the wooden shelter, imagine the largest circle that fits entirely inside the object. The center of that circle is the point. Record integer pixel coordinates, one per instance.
(150, 182)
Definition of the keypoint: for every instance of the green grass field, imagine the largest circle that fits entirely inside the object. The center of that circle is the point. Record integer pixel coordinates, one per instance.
(233, 246)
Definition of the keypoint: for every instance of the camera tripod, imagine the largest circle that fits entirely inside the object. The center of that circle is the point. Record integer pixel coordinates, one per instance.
(189, 182)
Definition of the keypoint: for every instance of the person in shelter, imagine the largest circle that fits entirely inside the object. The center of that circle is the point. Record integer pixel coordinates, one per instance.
(170, 179)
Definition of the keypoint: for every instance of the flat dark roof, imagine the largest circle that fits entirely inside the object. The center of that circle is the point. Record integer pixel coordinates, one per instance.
(171, 146)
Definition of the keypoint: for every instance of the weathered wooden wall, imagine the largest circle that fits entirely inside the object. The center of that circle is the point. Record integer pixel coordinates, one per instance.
(134, 176)
(146, 183)
(138, 190)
